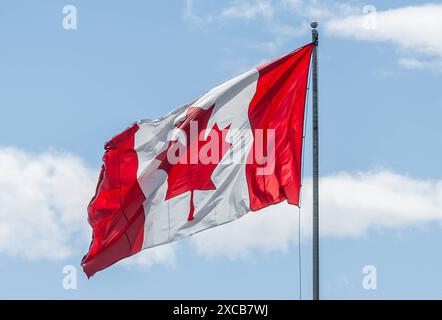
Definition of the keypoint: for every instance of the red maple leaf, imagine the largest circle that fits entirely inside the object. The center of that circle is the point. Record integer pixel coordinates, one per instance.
(192, 171)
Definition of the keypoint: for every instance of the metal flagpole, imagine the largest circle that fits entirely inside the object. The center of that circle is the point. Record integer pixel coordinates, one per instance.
(315, 117)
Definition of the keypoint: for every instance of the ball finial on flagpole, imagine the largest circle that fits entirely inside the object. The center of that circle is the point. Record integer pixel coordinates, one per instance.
(315, 35)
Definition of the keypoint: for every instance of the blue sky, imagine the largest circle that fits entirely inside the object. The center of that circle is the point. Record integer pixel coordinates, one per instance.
(65, 92)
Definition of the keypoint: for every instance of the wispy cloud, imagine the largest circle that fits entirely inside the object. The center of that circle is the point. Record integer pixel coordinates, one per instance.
(418, 64)
(270, 15)
(383, 73)
(413, 29)
(164, 255)
(248, 10)
(261, 9)
(191, 16)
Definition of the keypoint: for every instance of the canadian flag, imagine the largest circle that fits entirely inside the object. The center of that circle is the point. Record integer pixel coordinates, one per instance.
(234, 150)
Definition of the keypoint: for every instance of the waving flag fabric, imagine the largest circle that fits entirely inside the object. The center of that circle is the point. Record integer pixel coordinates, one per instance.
(234, 150)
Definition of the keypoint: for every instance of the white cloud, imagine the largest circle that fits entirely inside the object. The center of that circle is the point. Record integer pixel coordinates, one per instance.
(43, 208)
(414, 29)
(351, 205)
(43, 201)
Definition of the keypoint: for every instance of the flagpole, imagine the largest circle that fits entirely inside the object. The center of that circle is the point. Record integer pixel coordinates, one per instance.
(315, 38)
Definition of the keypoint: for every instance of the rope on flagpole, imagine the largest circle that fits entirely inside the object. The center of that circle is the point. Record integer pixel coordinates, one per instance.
(299, 253)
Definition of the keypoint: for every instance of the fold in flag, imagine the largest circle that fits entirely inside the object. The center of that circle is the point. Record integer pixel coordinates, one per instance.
(234, 150)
